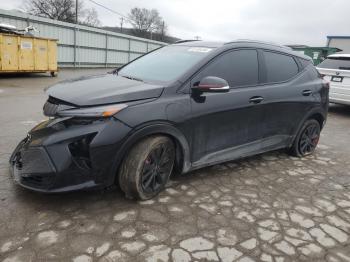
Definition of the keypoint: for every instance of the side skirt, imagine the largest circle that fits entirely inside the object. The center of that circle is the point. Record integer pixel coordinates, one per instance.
(241, 151)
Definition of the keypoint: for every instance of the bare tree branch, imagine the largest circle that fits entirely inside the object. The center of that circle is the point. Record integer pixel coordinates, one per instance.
(145, 21)
(62, 10)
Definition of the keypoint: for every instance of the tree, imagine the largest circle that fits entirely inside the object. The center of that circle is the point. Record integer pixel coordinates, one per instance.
(62, 10)
(90, 17)
(145, 21)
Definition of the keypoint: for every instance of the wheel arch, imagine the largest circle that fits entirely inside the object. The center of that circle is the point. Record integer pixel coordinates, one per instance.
(319, 117)
(316, 114)
(157, 128)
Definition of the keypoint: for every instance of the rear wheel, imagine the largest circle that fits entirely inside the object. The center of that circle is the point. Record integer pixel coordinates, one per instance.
(307, 139)
(147, 167)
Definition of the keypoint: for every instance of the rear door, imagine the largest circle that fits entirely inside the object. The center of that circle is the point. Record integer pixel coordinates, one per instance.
(288, 92)
(337, 71)
(226, 125)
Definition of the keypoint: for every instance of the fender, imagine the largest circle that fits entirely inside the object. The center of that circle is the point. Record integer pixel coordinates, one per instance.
(310, 113)
(147, 129)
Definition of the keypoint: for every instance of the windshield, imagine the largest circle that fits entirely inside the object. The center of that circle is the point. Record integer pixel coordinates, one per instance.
(342, 63)
(165, 64)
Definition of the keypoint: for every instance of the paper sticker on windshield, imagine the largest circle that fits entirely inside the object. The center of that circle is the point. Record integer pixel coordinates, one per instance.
(199, 49)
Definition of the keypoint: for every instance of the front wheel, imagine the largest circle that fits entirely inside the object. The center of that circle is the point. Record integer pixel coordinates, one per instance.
(307, 139)
(147, 167)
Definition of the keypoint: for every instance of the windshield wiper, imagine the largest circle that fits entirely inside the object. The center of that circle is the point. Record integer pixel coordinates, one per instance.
(133, 78)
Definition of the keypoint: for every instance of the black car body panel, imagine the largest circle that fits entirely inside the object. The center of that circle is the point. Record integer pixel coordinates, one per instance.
(46, 158)
(103, 89)
(254, 116)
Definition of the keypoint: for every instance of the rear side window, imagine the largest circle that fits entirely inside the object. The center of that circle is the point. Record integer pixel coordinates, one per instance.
(279, 67)
(304, 63)
(238, 68)
(342, 63)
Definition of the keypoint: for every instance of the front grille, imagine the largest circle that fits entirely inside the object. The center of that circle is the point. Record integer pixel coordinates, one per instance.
(38, 181)
(35, 160)
(34, 167)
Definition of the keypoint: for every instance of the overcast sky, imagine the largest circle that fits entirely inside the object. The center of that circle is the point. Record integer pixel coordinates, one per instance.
(281, 21)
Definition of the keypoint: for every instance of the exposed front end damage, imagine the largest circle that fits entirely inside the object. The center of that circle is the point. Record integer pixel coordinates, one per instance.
(65, 154)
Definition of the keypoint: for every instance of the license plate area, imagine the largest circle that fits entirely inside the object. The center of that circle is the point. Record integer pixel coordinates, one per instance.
(338, 79)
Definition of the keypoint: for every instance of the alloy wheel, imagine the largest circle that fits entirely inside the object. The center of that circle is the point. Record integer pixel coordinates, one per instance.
(156, 168)
(309, 139)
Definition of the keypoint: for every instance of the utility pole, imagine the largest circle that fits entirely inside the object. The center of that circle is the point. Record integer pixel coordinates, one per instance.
(197, 37)
(121, 24)
(163, 25)
(76, 11)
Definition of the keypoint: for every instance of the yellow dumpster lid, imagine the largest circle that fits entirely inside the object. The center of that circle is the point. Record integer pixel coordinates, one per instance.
(28, 36)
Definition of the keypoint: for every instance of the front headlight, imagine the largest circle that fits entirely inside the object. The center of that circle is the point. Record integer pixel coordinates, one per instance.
(98, 111)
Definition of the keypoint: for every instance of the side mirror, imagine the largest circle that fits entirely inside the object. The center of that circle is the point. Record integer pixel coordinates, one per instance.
(211, 84)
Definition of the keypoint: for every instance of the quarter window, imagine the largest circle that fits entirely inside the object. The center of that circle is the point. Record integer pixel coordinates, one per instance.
(279, 67)
(238, 68)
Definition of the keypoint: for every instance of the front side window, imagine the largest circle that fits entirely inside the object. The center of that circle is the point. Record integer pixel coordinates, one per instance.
(165, 64)
(238, 68)
(279, 67)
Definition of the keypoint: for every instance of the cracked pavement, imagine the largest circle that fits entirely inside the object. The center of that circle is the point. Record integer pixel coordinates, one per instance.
(270, 207)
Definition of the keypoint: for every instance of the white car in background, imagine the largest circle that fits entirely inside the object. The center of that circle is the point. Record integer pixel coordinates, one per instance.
(336, 70)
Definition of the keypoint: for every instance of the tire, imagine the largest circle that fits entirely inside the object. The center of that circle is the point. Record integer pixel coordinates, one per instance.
(307, 139)
(53, 74)
(147, 167)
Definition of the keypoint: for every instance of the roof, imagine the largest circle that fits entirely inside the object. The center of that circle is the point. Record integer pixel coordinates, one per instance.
(243, 43)
(199, 43)
(339, 55)
(218, 44)
(338, 36)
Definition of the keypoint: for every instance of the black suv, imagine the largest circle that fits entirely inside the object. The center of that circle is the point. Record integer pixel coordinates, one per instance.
(176, 109)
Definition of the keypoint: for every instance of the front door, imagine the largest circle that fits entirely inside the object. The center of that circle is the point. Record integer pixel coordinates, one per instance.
(227, 125)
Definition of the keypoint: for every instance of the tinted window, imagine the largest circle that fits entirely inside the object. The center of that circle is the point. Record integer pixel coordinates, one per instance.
(279, 67)
(342, 63)
(238, 68)
(304, 63)
(165, 64)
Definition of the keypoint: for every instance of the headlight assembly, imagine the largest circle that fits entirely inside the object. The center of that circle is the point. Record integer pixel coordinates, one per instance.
(99, 111)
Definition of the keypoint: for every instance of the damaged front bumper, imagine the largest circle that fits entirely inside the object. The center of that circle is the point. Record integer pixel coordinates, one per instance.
(67, 154)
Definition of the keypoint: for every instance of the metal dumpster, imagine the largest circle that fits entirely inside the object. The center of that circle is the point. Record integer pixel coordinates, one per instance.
(19, 53)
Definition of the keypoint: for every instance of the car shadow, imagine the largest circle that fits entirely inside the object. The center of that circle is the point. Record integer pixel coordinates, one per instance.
(24, 75)
(339, 109)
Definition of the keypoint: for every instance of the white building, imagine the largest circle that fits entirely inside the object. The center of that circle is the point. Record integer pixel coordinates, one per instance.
(341, 42)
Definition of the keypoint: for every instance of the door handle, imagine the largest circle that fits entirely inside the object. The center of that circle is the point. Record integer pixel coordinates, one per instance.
(307, 92)
(256, 99)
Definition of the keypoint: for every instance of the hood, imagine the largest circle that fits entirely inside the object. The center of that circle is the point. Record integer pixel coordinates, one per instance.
(103, 89)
